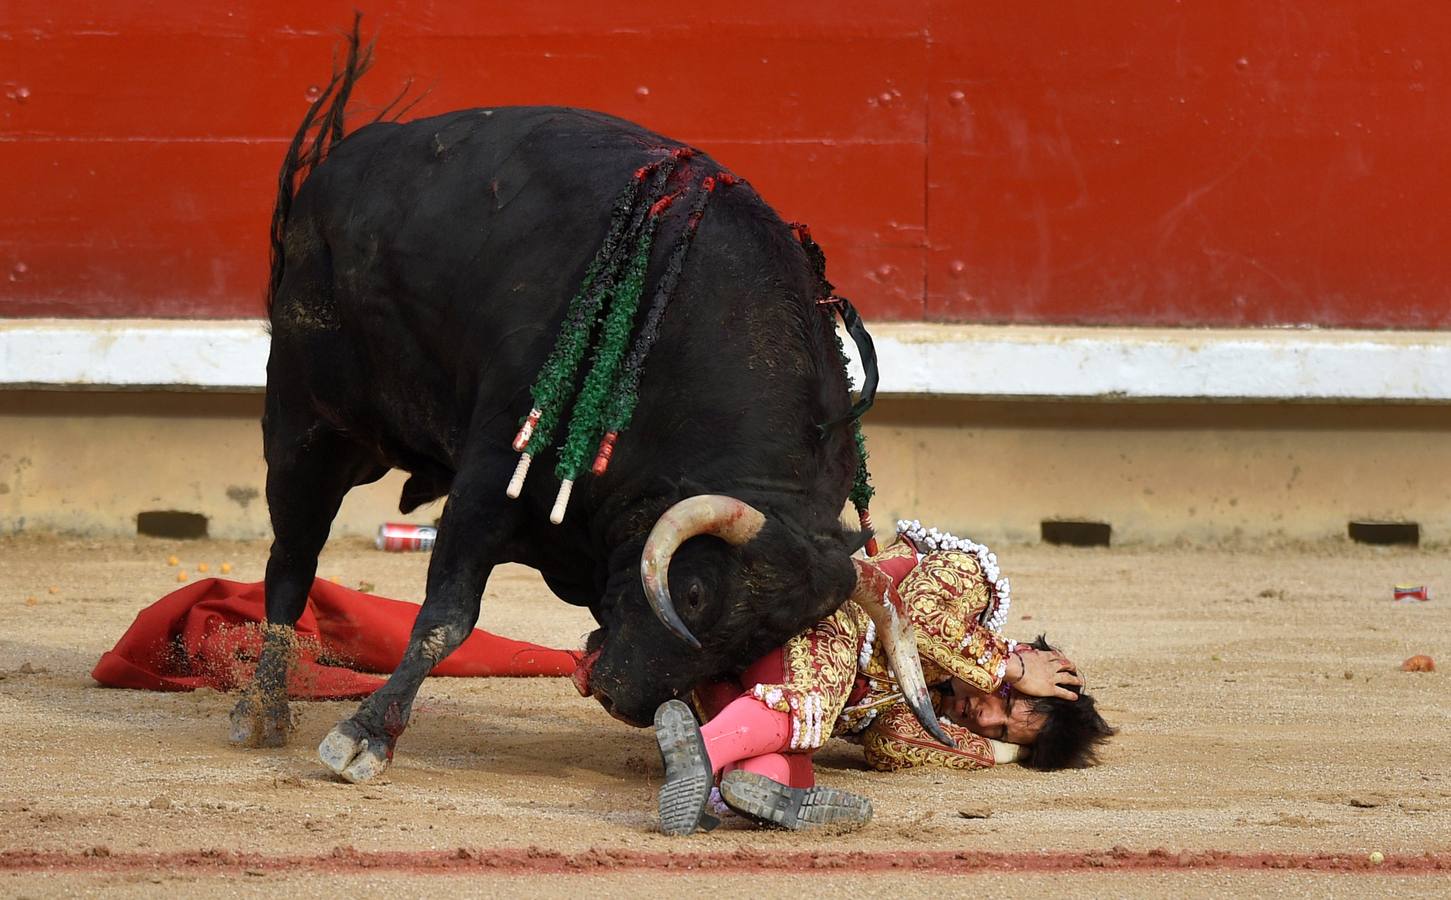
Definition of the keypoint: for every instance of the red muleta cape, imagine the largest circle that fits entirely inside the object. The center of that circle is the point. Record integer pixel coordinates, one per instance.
(206, 635)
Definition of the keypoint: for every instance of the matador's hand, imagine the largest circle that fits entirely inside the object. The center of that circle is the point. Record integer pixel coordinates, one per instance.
(1043, 674)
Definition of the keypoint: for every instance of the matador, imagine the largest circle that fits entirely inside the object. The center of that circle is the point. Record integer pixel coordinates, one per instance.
(1000, 701)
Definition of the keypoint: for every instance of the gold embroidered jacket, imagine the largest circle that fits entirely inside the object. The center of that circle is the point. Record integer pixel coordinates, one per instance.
(837, 678)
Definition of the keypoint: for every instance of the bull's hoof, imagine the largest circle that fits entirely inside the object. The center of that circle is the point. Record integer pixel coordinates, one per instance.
(688, 775)
(774, 803)
(256, 723)
(352, 754)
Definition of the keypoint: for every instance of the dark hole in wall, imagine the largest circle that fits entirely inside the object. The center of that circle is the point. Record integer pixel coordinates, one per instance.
(1076, 534)
(1403, 533)
(168, 523)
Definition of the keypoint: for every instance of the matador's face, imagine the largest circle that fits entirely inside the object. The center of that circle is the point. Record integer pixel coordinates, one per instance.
(1005, 715)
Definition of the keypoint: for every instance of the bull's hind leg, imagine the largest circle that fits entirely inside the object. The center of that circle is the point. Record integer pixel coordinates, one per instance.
(309, 470)
(476, 522)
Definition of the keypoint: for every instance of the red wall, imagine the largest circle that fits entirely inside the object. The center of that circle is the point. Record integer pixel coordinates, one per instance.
(1235, 162)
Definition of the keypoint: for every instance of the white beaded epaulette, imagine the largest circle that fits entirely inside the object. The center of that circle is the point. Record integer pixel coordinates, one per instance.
(995, 616)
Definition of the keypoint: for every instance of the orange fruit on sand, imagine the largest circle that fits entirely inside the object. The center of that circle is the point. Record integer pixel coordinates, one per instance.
(201, 567)
(226, 568)
(53, 589)
(1419, 663)
(172, 560)
(31, 601)
(181, 576)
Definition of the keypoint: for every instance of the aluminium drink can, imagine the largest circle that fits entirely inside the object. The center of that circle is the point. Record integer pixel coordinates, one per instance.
(400, 536)
(1411, 592)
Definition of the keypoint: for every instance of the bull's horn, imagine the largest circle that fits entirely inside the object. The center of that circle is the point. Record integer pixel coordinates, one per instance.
(729, 519)
(899, 640)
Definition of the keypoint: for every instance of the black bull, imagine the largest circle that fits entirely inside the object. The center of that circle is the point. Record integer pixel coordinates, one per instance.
(422, 271)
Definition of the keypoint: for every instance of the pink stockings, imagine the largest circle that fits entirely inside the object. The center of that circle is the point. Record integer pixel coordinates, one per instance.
(749, 735)
(793, 769)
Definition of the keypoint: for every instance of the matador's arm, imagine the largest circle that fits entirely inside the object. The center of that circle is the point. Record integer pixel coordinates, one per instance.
(895, 741)
(933, 592)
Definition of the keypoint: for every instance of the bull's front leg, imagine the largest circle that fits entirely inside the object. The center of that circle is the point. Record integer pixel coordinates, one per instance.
(476, 523)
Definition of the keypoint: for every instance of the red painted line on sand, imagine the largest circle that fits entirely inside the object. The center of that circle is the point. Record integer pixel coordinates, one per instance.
(536, 860)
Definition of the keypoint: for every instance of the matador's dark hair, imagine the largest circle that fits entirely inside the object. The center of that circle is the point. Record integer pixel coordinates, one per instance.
(1073, 733)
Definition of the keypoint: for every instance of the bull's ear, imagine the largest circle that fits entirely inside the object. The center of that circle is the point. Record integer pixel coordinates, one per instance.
(853, 540)
(799, 576)
(832, 574)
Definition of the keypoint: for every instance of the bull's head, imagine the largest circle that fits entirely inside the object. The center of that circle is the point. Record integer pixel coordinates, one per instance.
(719, 585)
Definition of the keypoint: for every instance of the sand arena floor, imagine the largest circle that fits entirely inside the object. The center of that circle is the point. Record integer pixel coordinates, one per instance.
(1269, 743)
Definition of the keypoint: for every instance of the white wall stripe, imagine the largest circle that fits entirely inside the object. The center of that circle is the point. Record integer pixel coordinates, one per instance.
(133, 353)
(915, 359)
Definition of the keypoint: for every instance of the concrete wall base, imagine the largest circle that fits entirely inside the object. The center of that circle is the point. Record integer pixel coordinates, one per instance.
(89, 462)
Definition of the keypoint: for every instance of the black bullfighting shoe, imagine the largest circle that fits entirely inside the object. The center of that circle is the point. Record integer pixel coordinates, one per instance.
(795, 808)
(688, 777)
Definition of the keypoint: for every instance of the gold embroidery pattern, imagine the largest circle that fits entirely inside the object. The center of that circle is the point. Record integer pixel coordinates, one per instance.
(880, 696)
(900, 549)
(945, 596)
(821, 667)
(882, 690)
(896, 741)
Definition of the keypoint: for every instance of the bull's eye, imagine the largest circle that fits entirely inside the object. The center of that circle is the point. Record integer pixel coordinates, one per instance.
(694, 595)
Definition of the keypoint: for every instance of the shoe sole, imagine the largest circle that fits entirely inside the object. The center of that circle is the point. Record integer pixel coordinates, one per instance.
(688, 777)
(792, 808)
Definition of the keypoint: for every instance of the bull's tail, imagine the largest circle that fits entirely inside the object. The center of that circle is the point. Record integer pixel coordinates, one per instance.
(321, 129)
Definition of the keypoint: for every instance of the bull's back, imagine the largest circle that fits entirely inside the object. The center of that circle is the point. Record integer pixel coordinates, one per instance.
(451, 247)
(445, 210)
